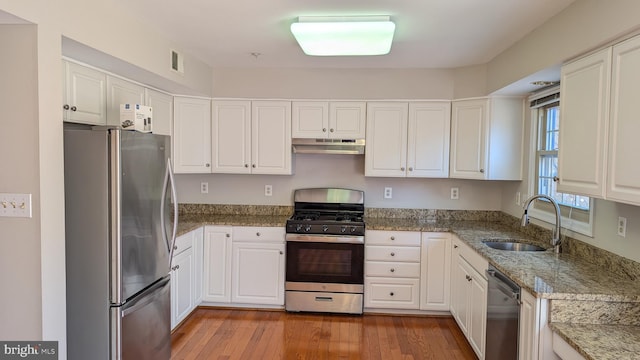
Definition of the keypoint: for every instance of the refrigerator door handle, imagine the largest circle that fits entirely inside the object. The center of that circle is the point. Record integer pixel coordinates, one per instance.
(170, 179)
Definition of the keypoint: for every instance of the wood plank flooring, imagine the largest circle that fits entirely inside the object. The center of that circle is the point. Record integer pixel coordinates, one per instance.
(228, 334)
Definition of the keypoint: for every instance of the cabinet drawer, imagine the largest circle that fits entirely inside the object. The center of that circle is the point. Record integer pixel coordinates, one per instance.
(392, 269)
(392, 253)
(379, 237)
(258, 234)
(391, 293)
(183, 242)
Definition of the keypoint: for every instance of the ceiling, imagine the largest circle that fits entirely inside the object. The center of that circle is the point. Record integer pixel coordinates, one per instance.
(429, 33)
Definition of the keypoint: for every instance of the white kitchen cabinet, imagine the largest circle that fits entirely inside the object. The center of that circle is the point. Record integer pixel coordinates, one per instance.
(469, 294)
(435, 279)
(231, 135)
(486, 138)
(186, 275)
(328, 120)
(534, 335)
(623, 182)
(162, 108)
(251, 137)
(584, 113)
(408, 139)
(84, 93)
(120, 91)
(392, 269)
(428, 136)
(563, 350)
(258, 265)
(217, 264)
(271, 137)
(192, 135)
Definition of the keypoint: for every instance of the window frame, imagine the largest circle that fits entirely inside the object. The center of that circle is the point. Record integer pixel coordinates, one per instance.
(541, 210)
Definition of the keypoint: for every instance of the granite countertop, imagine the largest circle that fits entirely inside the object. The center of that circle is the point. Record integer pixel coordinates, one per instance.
(557, 277)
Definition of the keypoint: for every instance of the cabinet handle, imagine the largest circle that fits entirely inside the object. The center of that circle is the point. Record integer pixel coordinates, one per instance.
(556, 179)
(175, 247)
(207, 165)
(324, 129)
(393, 254)
(468, 277)
(402, 168)
(253, 166)
(257, 234)
(65, 106)
(410, 168)
(455, 246)
(391, 293)
(482, 171)
(228, 235)
(175, 267)
(393, 238)
(392, 270)
(73, 108)
(281, 252)
(330, 130)
(246, 165)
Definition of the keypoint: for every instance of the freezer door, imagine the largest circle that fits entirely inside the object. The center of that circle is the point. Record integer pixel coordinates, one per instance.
(140, 329)
(140, 249)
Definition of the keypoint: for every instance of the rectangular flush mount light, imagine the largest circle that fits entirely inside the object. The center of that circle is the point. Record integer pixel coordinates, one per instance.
(343, 35)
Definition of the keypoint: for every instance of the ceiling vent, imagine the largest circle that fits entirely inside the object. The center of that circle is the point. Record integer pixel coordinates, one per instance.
(177, 64)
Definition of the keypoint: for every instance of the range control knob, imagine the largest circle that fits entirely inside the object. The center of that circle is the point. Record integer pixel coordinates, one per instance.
(343, 229)
(325, 228)
(307, 228)
(353, 229)
(298, 227)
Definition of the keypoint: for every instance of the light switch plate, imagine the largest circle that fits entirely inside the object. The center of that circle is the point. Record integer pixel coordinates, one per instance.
(15, 205)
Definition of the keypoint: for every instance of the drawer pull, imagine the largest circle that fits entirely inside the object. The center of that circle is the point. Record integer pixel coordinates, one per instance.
(257, 234)
(391, 293)
(393, 254)
(455, 246)
(393, 238)
(392, 270)
(468, 277)
(175, 267)
(175, 247)
(324, 298)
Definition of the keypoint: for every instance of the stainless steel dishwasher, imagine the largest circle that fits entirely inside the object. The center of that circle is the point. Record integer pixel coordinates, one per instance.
(503, 313)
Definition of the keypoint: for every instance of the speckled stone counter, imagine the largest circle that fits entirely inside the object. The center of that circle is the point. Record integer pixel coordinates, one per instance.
(190, 222)
(601, 342)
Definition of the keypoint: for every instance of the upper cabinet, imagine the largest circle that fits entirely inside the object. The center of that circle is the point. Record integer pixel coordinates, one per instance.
(251, 137)
(486, 138)
(584, 112)
(84, 94)
(408, 139)
(328, 120)
(192, 135)
(162, 105)
(599, 127)
(121, 91)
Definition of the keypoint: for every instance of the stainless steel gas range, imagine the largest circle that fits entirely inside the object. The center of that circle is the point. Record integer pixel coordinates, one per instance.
(325, 251)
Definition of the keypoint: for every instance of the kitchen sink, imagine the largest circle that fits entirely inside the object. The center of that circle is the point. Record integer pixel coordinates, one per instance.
(512, 246)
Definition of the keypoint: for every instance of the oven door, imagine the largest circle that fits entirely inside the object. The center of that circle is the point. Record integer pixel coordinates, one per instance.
(325, 262)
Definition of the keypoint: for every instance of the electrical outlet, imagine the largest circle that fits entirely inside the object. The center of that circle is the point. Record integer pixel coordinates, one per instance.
(622, 226)
(388, 194)
(204, 188)
(455, 193)
(268, 190)
(15, 205)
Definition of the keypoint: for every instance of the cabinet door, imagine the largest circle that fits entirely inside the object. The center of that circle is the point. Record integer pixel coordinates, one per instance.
(477, 301)
(231, 134)
(192, 135)
(584, 111)
(217, 264)
(181, 286)
(120, 91)
(528, 328)
(271, 137)
(310, 119)
(347, 120)
(162, 109)
(624, 147)
(435, 271)
(428, 139)
(394, 293)
(460, 292)
(198, 265)
(84, 95)
(468, 122)
(386, 150)
(258, 273)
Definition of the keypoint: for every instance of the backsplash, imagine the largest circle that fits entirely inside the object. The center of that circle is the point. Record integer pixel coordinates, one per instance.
(616, 264)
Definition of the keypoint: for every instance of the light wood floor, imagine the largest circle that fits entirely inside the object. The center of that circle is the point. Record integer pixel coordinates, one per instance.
(249, 334)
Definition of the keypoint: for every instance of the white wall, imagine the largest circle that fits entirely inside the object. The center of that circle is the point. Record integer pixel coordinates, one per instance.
(319, 170)
(20, 303)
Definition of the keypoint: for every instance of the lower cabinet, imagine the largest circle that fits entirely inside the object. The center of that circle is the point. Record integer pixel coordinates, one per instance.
(535, 338)
(435, 271)
(186, 276)
(244, 265)
(469, 295)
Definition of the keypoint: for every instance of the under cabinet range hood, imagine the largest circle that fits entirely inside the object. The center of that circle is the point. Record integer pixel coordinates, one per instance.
(328, 146)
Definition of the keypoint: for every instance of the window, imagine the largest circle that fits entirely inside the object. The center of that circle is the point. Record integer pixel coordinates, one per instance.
(576, 209)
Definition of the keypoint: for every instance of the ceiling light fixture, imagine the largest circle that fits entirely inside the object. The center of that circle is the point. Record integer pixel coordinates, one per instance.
(344, 35)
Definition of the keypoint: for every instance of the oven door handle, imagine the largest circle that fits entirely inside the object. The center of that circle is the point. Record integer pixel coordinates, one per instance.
(324, 298)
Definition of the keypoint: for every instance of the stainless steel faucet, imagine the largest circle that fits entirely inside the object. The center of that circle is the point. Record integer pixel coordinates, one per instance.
(555, 241)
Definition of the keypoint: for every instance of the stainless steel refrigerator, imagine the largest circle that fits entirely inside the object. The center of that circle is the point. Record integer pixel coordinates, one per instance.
(121, 218)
